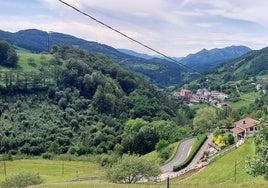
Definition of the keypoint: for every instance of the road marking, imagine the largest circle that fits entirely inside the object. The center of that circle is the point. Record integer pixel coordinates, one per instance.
(189, 151)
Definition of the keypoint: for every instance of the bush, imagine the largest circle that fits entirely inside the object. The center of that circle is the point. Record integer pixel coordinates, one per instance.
(47, 156)
(21, 180)
(72, 150)
(195, 148)
(161, 144)
(165, 153)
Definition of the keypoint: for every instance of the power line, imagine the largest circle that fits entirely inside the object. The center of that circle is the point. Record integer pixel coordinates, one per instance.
(130, 38)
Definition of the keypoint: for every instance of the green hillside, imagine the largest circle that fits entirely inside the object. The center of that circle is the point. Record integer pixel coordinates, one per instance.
(238, 78)
(220, 173)
(160, 72)
(224, 173)
(253, 64)
(205, 60)
(81, 103)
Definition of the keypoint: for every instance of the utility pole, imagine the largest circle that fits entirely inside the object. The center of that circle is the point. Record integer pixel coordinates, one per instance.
(48, 41)
(168, 182)
(62, 168)
(235, 171)
(5, 170)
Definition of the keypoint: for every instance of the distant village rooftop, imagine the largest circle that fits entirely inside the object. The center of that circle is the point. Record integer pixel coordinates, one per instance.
(203, 95)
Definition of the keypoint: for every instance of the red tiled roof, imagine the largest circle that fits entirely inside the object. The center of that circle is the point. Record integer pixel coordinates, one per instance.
(237, 130)
(246, 123)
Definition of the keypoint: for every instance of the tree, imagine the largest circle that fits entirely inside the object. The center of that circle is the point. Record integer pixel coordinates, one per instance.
(8, 56)
(205, 119)
(54, 148)
(234, 114)
(258, 164)
(161, 144)
(132, 168)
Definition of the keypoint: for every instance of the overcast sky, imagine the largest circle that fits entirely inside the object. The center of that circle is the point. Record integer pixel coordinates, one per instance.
(174, 27)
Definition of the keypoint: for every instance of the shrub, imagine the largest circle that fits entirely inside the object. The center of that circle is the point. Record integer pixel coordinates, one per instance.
(72, 150)
(161, 144)
(47, 155)
(165, 153)
(21, 180)
(223, 140)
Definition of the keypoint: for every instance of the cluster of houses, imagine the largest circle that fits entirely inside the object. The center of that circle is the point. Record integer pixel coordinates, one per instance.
(215, 98)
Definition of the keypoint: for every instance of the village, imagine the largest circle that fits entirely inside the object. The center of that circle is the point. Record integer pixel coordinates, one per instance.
(214, 98)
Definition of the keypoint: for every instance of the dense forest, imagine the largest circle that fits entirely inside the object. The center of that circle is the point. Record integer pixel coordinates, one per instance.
(79, 102)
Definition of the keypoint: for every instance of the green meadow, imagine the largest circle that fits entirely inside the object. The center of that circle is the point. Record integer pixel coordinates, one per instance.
(30, 61)
(53, 171)
(221, 173)
(227, 171)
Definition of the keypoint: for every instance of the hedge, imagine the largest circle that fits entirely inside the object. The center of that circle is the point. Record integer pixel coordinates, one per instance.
(198, 142)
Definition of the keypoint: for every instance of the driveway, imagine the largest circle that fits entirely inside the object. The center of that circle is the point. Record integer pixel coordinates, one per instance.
(181, 155)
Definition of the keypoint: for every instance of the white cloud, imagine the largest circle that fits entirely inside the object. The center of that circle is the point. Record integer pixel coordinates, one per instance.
(176, 28)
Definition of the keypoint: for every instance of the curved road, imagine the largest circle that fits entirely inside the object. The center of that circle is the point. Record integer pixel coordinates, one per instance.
(181, 155)
(167, 168)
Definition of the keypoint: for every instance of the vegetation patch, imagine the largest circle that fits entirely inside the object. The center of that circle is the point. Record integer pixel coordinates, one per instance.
(21, 180)
(222, 139)
(227, 171)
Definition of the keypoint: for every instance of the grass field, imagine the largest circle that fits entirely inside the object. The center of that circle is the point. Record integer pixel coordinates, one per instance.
(220, 173)
(246, 100)
(30, 61)
(54, 171)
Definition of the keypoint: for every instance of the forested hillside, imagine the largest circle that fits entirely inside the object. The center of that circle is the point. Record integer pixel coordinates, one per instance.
(205, 60)
(245, 79)
(158, 71)
(245, 67)
(81, 102)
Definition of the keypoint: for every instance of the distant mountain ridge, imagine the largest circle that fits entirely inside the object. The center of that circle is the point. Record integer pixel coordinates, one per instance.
(136, 54)
(158, 71)
(252, 64)
(206, 59)
(145, 56)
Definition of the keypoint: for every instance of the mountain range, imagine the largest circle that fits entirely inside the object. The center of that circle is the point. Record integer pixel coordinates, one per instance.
(159, 71)
(207, 59)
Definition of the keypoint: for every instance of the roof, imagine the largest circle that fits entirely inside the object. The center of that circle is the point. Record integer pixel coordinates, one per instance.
(237, 130)
(185, 92)
(246, 123)
(176, 94)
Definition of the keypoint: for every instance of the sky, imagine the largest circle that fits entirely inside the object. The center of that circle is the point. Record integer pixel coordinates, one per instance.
(173, 27)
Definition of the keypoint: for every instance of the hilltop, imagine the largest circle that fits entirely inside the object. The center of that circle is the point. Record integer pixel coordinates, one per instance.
(205, 60)
(159, 71)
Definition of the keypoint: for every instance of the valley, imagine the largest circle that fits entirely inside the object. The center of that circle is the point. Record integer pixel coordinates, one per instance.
(77, 113)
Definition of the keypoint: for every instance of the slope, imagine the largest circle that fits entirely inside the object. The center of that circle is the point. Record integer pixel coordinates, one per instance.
(161, 72)
(77, 102)
(224, 173)
(205, 60)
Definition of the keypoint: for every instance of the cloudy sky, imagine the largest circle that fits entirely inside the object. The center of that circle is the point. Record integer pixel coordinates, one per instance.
(174, 27)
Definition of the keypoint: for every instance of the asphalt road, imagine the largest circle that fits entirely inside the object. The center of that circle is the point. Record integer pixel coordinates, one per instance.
(181, 155)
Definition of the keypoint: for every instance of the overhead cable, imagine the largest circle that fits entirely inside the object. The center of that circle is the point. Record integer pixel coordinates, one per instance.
(130, 38)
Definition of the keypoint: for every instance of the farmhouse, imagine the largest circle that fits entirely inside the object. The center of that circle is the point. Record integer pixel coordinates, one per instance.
(245, 127)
